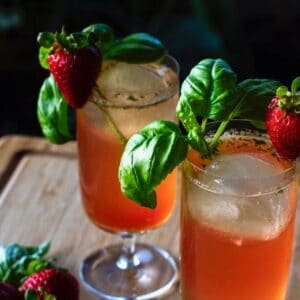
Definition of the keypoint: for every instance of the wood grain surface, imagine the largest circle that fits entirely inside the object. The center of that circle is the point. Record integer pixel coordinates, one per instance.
(40, 200)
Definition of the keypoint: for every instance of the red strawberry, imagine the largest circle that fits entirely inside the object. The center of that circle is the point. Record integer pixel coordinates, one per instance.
(283, 121)
(62, 285)
(9, 292)
(75, 72)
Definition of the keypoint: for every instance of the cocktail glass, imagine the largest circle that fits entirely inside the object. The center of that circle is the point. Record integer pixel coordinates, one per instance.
(127, 97)
(237, 219)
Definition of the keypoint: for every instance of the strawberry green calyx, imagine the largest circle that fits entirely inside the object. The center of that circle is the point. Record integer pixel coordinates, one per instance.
(289, 100)
(135, 48)
(30, 294)
(51, 42)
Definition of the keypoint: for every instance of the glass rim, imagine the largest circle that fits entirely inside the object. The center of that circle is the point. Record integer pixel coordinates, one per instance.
(285, 173)
(96, 95)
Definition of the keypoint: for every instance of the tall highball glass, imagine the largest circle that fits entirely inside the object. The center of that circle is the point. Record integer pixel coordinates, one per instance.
(237, 219)
(126, 98)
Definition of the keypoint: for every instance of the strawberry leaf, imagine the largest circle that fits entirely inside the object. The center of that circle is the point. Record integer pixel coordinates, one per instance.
(31, 295)
(46, 39)
(78, 40)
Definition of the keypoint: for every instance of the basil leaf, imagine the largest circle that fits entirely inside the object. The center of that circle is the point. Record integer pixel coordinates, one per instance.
(43, 57)
(210, 89)
(55, 116)
(103, 33)
(17, 261)
(255, 95)
(149, 156)
(137, 48)
(209, 92)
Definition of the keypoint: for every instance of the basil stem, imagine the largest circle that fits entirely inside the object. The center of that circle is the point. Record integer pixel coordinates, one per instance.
(111, 123)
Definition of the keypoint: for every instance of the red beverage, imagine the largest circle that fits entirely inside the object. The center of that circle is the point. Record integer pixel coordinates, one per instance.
(237, 229)
(100, 149)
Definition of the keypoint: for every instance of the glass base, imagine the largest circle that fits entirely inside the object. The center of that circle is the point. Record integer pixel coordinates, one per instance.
(153, 274)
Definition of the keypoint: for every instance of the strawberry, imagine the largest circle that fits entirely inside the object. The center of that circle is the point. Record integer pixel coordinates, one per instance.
(60, 284)
(9, 292)
(283, 121)
(75, 73)
(74, 61)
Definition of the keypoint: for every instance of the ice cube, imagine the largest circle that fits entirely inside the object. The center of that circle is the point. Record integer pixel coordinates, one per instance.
(240, 174)
(241, 165)
(131, 78)
(230, 197)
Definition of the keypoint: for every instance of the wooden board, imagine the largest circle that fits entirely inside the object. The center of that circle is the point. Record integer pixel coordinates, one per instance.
(40, 200)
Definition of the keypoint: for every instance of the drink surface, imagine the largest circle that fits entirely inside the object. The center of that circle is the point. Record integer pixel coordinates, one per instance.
(237, 223)
(133, 95)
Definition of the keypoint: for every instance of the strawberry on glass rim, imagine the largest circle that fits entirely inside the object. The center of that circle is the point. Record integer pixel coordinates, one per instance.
(283, 121)
(74, 61)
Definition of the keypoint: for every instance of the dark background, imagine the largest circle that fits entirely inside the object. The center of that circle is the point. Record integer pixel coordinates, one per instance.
(257, 38)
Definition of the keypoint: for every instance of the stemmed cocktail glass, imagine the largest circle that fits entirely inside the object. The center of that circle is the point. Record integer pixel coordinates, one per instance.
(127, 97)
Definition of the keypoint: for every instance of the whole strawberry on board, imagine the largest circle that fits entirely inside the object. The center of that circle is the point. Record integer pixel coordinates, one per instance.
(283, 121)
(9, 292)
(74, 61)
(51, 284)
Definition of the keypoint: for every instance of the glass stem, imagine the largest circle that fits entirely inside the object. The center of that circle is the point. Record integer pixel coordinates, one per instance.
(128, 258)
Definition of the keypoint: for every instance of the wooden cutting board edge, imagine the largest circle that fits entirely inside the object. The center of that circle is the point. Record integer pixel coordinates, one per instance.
(14, 147)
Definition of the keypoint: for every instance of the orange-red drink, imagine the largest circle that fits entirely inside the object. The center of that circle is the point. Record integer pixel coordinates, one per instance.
(237, 223)
(100, 147)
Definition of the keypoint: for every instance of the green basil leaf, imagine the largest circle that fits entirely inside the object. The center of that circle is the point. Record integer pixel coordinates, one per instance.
(104, 35)
(46, 39)
(210, 90)
(143, 38)
(43, 57)
(255, 95)
(54, 113)
(149, 156)
(137, 48)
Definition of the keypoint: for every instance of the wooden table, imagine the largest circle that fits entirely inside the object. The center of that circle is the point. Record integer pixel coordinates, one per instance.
(40, 200)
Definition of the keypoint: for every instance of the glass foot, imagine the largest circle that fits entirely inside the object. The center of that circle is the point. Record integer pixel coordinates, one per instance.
(152, 273)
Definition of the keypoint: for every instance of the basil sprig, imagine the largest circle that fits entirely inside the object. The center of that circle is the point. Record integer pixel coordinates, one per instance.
(17, 262)
(56, 117)
(209, 93)
(150, 155)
